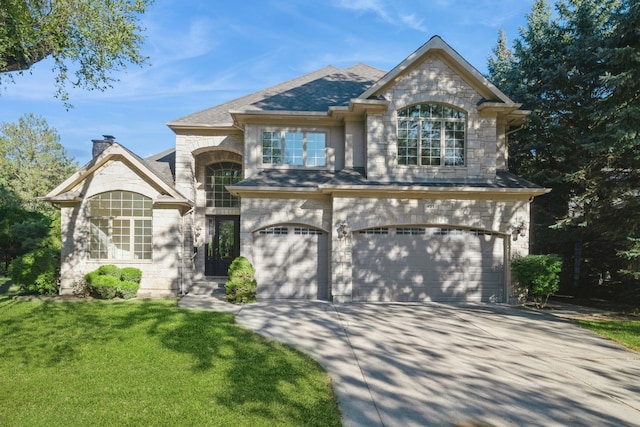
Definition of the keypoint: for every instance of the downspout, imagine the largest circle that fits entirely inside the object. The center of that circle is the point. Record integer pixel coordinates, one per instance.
(182, 256)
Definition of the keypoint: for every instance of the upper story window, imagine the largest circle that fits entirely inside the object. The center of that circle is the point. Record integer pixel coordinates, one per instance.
(120, 226)
(293, 148)
(431, 135)
(217, 177)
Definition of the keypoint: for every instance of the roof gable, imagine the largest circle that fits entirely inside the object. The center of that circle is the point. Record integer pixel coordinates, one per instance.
(115, 151)
(437, 46)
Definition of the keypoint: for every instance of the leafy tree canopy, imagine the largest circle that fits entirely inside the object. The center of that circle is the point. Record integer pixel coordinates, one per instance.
(96, 36)
(32, 162)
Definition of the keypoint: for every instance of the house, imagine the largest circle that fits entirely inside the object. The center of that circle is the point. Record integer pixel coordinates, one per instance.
(342, 184)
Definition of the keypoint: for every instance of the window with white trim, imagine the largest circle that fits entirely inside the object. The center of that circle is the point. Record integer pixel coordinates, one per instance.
(300, 148)
(120, 226)
(431, 135)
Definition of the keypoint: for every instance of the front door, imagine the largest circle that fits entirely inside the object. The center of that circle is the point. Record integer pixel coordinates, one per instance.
(223, 244)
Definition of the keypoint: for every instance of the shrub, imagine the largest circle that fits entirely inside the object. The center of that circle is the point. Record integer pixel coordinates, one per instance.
(131, 274)
(241, 286)
(127, 289)
(109, 281)
(36, 271)
(539, 275)
(109, 270)
(102, 286)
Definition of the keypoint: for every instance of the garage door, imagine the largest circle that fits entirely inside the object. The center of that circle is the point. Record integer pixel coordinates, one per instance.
(291, 261)
(428, 264)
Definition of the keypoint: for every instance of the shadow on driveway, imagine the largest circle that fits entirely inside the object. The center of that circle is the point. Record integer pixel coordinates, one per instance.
(409, 364)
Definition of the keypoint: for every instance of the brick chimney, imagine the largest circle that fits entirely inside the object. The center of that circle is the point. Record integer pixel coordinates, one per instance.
(99, 145)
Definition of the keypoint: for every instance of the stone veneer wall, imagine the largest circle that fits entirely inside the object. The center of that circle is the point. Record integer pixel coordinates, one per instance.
(188, 146)
(162, 274)
(431, 81)
(262, 213)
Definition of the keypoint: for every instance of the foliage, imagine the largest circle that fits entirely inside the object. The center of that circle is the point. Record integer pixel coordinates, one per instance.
(241, 285)
(577, 68)
(102, 286)
(109, 270)
(32, 161)
(127, 289)
(36, 271)
(131, 274)
(111, 362)
(626, 332)
(539, 275)
(109, 281)
(22, 231)
(88, 40)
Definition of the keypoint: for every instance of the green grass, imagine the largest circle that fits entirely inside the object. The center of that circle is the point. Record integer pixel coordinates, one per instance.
(150, 363)
(625, 332)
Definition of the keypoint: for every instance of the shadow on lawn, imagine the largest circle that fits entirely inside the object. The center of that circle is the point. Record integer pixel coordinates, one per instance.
(255, 372)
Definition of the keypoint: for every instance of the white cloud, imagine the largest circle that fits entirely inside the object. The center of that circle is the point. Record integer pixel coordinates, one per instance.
(375, 6)
(412, 22)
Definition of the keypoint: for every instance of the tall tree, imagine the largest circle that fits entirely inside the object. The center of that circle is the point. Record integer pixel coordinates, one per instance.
(91, 37)
(621, 126)
(32, 161)
(563, 69)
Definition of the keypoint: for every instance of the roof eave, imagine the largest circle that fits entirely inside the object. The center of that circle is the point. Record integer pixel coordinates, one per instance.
(437, 45)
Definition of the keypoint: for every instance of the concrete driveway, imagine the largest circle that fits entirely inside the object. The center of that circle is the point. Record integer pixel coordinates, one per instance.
(431, 364)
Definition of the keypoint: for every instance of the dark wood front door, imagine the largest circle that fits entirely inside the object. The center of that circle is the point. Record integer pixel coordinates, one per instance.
(223, 244)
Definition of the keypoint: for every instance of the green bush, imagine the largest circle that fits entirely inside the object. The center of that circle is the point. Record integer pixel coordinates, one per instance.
(104, 287)
(109, 281)
(127, 289)
(538, 275)
(131, 274)
(241, 286)
(109, 270)
(45, 284)
(36, 271)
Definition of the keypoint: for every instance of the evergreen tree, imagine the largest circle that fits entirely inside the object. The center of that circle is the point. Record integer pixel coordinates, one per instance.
(576, 69)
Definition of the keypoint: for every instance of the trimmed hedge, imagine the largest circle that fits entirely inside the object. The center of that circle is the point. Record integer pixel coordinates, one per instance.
(241, 286)
(109, 270)
(104, 287)
(127, 289)
(131, 274)
(109, 281)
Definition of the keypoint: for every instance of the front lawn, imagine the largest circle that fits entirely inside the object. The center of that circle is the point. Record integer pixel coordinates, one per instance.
(144, 363)
(626, 332)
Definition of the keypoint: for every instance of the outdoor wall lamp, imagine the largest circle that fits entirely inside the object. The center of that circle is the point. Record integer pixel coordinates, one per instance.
(518, 229)
(343, 230)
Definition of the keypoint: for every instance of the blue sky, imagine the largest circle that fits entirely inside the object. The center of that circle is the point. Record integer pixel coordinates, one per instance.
(203, 53)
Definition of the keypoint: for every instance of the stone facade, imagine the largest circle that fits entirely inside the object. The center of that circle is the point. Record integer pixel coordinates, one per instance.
(161, 275)
(361, 186)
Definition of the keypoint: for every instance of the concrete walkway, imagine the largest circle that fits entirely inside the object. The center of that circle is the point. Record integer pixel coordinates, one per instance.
(404, 364)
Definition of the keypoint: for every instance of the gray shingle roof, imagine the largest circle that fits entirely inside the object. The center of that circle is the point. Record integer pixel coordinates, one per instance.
(308, 179)
(316, 91)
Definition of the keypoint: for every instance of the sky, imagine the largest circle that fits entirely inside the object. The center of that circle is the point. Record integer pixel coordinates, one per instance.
(206, 52)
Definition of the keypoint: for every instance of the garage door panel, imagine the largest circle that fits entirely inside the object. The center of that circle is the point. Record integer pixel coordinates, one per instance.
(427, 265)
(291, 264)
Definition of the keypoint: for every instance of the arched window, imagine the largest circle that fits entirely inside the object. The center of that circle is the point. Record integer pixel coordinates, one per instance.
(120, 224)
(431, 135)
(218, 175)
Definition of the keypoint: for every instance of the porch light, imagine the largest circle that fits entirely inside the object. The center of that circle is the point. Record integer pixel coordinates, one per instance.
(518, 229)
(343, 230)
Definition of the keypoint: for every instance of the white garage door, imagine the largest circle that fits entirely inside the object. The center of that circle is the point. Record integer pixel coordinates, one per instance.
(291, 261)
(428, 264)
